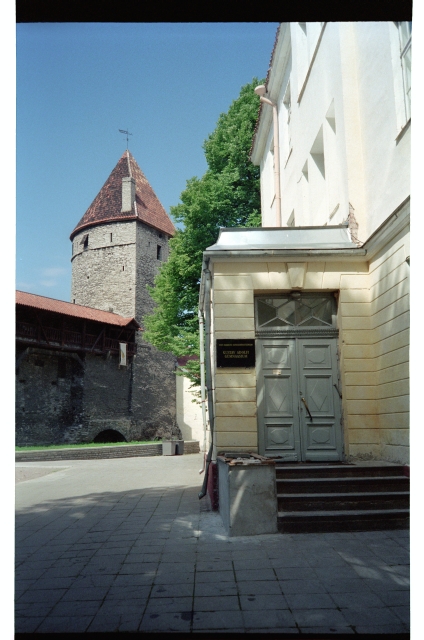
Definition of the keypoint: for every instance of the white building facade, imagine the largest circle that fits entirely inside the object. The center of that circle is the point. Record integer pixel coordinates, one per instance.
(322, 289)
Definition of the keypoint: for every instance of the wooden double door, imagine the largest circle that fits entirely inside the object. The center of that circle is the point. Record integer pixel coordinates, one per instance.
(299, 404)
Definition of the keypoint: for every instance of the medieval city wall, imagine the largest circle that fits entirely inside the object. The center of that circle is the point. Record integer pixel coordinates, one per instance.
(153, 382)
(49, 397)
(113, 272)
(66, 398)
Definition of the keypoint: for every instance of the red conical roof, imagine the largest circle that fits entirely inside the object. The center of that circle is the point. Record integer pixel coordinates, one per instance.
(106, 206)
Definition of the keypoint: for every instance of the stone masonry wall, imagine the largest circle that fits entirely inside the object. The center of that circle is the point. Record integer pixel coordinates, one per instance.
(65, 398)
(148, 265)
(113, 272)
(49, 398)
(107, 398)
(98, 453)
(154, 383)
(104, 274)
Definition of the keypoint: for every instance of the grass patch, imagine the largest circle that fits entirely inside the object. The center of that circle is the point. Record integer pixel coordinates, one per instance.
(86, 445)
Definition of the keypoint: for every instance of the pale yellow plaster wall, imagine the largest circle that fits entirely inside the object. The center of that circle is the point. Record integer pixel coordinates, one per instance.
(389, 296)
(189, 413)
(235, 389)
(373, 347)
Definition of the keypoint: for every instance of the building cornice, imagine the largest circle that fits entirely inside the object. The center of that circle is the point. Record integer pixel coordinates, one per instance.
(390, 228)
(283, 255)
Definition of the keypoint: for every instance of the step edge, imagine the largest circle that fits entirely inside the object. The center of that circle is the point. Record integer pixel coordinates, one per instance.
(335, 513)
(322, 496)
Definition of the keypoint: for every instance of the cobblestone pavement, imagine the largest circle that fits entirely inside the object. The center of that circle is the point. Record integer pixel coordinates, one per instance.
(126, 545)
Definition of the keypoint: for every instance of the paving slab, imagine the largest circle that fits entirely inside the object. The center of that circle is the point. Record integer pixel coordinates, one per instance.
(125, 545)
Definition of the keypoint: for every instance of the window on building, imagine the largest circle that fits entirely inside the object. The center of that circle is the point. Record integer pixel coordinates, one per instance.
(295, 313)
(111, 237)
(307, 37)
(287, 124)
(301, 61)
(317, 153)
(84, 241)
(318, 206)
(405, 38)
(159, 252)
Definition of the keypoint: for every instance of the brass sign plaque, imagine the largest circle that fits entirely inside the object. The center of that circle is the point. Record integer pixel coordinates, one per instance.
(235, 353)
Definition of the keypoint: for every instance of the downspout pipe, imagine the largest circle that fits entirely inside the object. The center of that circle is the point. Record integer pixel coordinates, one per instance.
(204, 305)
(202, 382)
(260, 91)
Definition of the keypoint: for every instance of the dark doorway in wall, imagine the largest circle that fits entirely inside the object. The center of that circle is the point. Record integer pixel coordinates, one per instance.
(109, 435)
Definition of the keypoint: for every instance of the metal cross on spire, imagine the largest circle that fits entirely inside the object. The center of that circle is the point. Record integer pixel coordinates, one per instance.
(127, 134)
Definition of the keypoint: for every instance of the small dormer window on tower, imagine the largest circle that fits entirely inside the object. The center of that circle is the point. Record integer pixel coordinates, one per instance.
(84, 241)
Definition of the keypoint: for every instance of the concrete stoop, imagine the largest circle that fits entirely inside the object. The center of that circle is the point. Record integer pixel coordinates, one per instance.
(315, 497)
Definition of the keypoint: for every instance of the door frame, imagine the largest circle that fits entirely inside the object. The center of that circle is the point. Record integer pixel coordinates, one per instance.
(308, 435)
(299, 440)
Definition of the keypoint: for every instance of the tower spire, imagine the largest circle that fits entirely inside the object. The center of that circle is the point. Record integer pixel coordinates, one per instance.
(127, 134)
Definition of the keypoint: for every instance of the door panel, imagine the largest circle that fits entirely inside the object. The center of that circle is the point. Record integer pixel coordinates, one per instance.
(278, 395)
(279, 437)
(316, 356)
(321, 434)
(296, 375)
(278, 412)
(319, 394)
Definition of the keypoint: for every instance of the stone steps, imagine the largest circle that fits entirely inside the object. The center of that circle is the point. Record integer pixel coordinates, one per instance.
(351, 497)
(322, 470)
(343, 501)
(338, 484)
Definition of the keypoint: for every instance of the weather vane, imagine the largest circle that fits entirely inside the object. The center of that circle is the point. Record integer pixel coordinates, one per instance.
(127, 134)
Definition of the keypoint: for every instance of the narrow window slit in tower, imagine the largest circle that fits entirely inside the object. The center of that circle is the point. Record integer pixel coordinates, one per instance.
(159, 252)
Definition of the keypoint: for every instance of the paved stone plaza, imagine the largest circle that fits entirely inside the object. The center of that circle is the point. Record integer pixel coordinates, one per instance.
(126, 545)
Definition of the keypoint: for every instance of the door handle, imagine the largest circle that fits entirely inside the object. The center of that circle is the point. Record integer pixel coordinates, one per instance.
(307, 408)
(337, 389)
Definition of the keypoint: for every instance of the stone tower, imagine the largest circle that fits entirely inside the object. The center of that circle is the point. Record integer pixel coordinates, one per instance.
(117, 249)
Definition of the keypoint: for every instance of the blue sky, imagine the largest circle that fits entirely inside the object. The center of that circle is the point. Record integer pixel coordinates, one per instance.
(77, 84)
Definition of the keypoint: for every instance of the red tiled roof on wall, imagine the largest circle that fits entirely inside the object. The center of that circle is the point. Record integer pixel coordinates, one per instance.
(106, 206)
(69, 309)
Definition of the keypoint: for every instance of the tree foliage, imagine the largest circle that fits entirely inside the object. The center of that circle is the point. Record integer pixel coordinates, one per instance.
(227, 195)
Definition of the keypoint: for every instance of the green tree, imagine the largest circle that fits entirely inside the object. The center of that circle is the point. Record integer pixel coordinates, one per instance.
(227, 195)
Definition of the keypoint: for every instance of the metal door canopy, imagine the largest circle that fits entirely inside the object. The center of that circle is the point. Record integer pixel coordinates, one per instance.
(330, 237)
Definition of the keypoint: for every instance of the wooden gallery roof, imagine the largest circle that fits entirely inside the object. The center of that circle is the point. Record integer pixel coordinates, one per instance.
(56, 324)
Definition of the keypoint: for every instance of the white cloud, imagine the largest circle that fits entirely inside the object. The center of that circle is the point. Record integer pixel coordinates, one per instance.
(53, 272)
